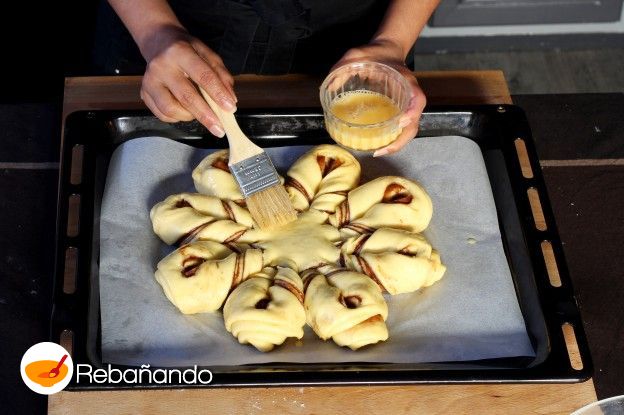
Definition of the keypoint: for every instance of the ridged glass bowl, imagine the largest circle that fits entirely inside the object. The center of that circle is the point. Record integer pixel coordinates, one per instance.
(609, 406)
(369, 78)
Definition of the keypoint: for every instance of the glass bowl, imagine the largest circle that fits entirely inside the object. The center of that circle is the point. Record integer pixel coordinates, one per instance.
(374, 118)
(609, 406)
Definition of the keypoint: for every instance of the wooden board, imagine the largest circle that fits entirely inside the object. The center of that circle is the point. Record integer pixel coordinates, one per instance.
(253, 91)
(429, 400)
(465, 87)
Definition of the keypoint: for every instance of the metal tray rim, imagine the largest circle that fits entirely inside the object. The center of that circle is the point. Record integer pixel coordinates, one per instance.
(507, 120)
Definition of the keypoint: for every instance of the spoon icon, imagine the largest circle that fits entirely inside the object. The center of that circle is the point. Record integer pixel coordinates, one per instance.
(55, 372)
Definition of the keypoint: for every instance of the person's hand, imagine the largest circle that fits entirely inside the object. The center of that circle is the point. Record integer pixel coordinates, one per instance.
(391, 54)
(175, 61)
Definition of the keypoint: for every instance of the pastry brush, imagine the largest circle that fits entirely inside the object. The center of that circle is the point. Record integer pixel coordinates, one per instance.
(266, 198)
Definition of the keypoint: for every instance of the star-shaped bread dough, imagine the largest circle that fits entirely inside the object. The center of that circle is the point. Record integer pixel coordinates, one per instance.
(349, 245)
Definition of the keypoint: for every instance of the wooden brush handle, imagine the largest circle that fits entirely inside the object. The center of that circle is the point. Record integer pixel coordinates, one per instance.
(241, 147)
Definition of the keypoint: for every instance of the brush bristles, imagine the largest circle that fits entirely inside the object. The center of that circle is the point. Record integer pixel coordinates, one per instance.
(271, 208)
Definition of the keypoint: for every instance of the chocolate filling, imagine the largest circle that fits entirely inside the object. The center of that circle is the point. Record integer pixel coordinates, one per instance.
(239, 269)
(343, 261)
(307, 276)
(290, 182)
(233, 247)
(221, 164)
(190, 235)
(369, 271)
(234, 237)
(373, 319)
(327, 164)
(228, 210)
(335, 271)
(343, 213)
(359, 228)
(360, 243)
(339, 193)
(396, 193)
(351, 301)
(290, 287)
(263, 303)
(190, 265)
(182, 204)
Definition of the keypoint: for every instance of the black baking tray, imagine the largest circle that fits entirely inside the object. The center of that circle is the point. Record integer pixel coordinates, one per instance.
(90, 137)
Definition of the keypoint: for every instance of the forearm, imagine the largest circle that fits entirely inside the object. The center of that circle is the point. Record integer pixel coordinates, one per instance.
(146, 18)
(403, 22)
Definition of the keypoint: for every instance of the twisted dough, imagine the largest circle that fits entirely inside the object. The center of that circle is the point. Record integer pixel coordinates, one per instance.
(371, 230)
(212, 177)
(185, 217)
(197, 277)
(398, 261)
(386, 202)
(346, 306)
(266, 309)
(321, 178)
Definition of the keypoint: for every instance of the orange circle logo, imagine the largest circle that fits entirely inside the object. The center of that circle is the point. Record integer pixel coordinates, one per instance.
(47, 368)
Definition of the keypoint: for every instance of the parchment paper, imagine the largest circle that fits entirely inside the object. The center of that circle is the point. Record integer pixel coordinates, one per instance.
(472, 313)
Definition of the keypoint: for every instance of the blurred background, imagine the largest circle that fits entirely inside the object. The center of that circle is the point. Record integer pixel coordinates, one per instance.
(556, 46)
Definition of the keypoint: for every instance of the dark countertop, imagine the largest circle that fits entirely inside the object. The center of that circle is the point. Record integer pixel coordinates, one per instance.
(580, 143)
(580, 140)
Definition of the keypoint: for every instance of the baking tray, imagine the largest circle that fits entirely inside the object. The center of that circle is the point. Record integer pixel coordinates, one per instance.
(90, 138)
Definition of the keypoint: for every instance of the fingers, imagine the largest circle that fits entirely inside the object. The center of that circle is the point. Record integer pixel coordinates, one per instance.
(217, 65)
(338, 80)
(149, 101)
(408, 133)
(389, 54)
(186, 93)
(352, 55)
(409, 121)
(170, 83)
(206, 77)
(416, 104)
(228, 81)
(163, 102)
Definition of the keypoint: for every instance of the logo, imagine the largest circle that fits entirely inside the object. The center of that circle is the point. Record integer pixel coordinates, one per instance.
(46, 368)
